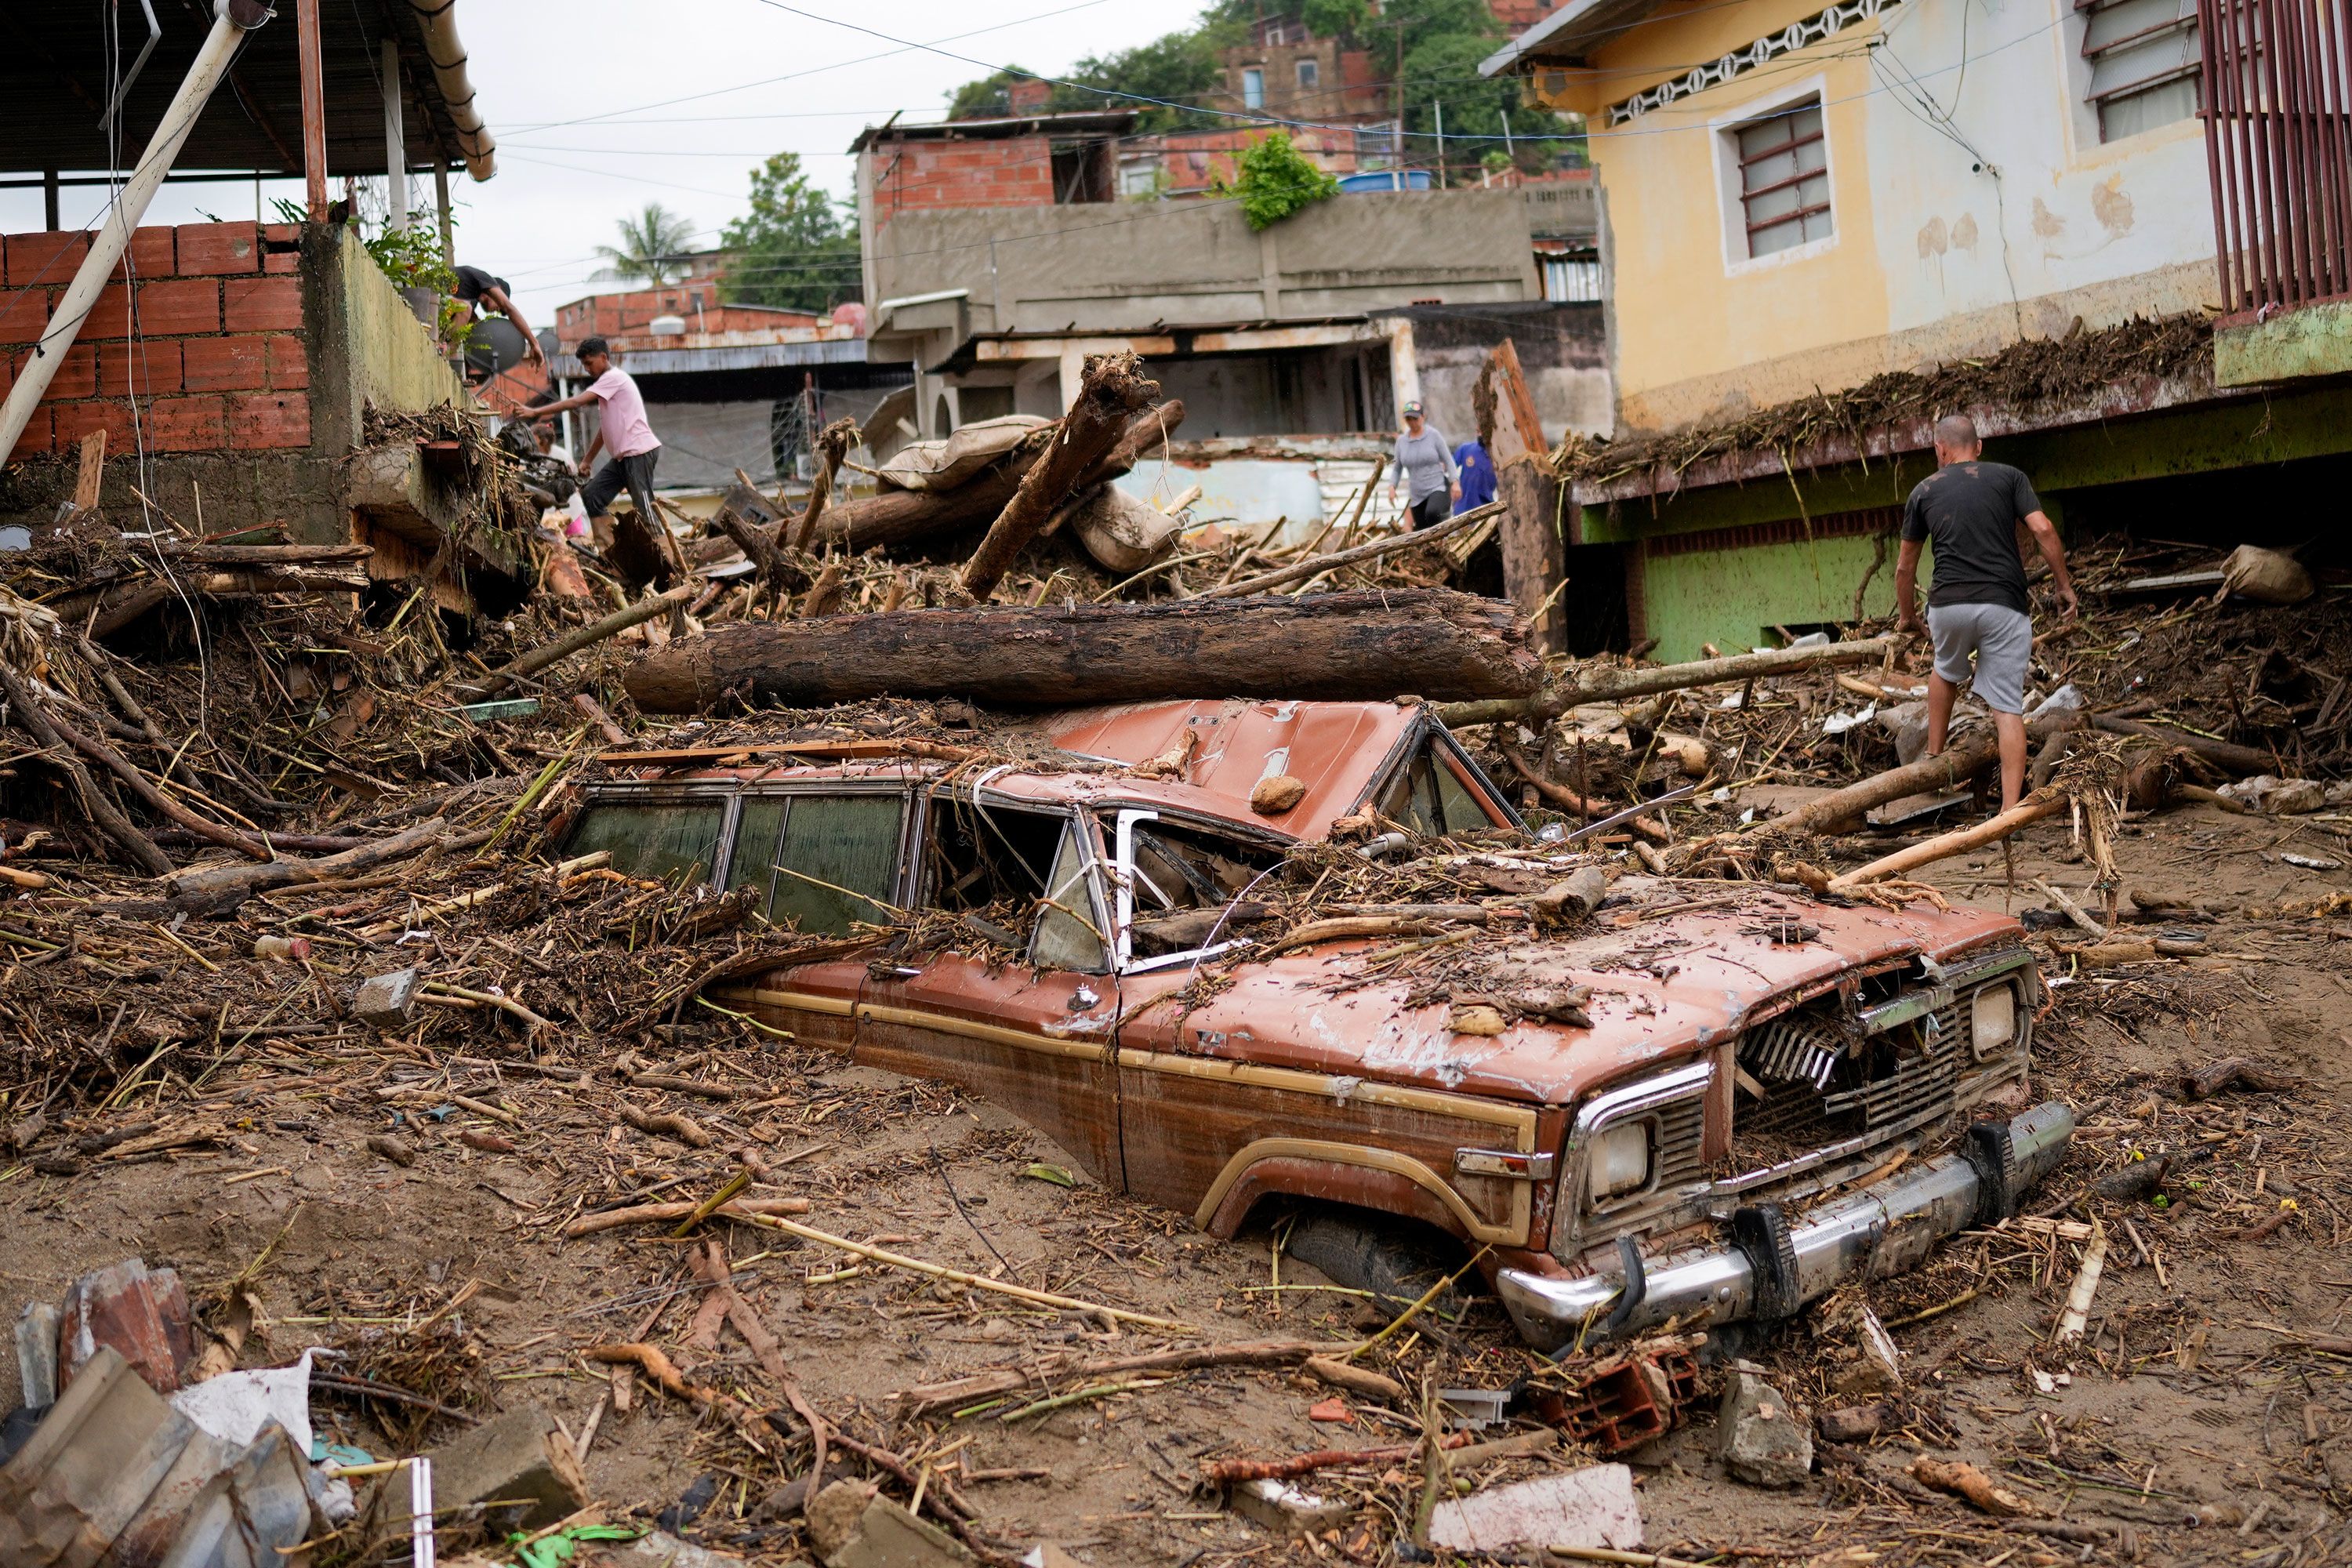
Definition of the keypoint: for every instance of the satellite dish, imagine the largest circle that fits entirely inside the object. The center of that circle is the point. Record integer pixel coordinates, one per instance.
(496, 344)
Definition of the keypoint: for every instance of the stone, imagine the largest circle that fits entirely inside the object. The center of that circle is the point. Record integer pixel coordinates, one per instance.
(520, 1462)
(142, 1314)
(1591, 1508)
(888, 1536)
(1273, 796)
(1285, 1509)
(386, 1001)
(1760, 1435)
(1854, 1423)
(1873, 1365)
(833, 1514)
(37, 1354)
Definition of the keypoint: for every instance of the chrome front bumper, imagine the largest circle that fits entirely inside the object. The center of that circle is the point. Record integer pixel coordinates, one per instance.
(1882, 1229)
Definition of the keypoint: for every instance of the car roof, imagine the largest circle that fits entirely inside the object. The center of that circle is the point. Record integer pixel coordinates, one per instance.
(1337, 750)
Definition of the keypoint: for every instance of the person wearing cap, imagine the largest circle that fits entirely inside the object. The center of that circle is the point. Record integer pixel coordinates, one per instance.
(1424, 470)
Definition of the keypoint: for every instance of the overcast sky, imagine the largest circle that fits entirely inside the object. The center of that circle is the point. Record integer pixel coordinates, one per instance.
(600, 106)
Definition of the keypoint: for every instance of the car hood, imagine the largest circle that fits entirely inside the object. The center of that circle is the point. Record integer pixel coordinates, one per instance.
(1671, 974)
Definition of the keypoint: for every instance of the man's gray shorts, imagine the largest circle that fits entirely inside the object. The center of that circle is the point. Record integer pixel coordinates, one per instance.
(2000, 639)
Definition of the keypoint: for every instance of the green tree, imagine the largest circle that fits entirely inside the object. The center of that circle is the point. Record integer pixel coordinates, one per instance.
(1175, 69)
(793, 249)
(653, 244)
(1276, 180)
(987, 97)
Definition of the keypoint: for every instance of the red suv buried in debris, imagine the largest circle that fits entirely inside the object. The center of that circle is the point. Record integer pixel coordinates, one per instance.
(1768, 1093)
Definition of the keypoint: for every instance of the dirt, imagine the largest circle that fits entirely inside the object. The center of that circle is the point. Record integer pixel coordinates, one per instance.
(357, 1246)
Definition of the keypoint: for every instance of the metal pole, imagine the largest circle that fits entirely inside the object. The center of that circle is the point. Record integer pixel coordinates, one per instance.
(49, 200)
(395, 145)
(441, 206)
(1438, 104)
(314, 108)
(113, 237)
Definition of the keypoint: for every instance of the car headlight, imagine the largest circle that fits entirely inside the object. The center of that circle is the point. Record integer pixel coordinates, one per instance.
(1619, 1160)
(1992, 1020)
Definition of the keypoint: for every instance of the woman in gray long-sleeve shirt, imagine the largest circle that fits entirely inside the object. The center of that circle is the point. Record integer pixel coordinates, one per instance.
(1424, 468)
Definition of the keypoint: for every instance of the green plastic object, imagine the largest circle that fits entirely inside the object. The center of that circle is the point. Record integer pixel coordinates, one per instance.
(556, 1550)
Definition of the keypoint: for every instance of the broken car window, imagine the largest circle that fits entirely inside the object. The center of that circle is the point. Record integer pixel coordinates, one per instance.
(836, 863)
(677, 844)
(1427, 796)
(1018, 877)
(1185, 881)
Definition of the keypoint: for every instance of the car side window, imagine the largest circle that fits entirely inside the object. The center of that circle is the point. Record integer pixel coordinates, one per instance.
(835, 861)
(1429, 797)
(1186, 881)
(676, 843)
(1018, 877)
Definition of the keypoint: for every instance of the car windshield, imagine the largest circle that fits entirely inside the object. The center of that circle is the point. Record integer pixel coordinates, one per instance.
(1018, 877)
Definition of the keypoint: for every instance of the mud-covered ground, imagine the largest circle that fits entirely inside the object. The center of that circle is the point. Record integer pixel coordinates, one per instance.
(2204, 1388)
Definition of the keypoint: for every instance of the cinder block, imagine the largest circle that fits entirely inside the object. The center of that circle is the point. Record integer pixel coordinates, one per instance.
(213, 247)
(264, 420)
(264, 304)
(518, 1461)
(44, 257)
(223, 363)
(289, 363)
(178, 306)
(140, 1314)
(199, 424)
(386, 1001)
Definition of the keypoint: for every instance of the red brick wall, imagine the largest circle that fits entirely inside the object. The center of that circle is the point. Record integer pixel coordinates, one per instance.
(628, 313)
(219, 360)
(1005, 172)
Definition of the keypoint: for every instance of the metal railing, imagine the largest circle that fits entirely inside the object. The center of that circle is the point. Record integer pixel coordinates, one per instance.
(2278, 148)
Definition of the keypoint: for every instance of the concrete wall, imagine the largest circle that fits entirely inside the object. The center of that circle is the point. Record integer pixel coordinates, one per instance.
(1561, 353)
(1125, 267)
(2013, 220)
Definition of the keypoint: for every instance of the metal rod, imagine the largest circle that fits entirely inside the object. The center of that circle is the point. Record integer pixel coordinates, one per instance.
(314, 108)
(395, 143)
(113, 237)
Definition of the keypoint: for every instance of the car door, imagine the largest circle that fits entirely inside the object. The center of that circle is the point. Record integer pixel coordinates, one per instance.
(822, 861)
(1030, 1034)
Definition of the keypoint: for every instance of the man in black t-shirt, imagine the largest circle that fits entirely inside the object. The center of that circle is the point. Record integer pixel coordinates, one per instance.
(1976, 607)
(478, 291)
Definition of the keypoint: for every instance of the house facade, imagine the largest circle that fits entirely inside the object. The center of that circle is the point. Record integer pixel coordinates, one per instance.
(1796, 199)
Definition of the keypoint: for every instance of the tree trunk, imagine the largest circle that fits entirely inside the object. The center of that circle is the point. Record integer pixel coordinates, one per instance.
(1114, 388)
(1603, 683)
(895, 517)
(1948, 771)
(1534, 553)
(1361, 645)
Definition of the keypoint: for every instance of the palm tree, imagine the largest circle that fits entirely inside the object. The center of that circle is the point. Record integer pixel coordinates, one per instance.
(653, 244)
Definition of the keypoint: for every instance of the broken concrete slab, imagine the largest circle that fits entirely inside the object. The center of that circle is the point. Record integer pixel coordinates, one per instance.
(143, 1313)
(1593, 1507)
(386, 1001)
(1285, 1509)
(1760, 1435)
(89, 1468)
(519, 1467)
(1871, 1365)
(877, 1534)
(37, 1354)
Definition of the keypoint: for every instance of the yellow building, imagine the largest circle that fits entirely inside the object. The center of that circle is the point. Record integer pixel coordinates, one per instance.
(1798, 198)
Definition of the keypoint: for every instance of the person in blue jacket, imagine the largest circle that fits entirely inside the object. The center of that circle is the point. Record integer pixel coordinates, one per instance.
(1478, 471)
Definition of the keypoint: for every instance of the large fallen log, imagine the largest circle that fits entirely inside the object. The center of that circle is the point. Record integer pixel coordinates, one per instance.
(1944, 846)
(2236, 758)
(1602, 684)
(1113, 389)
(895, 517)
(210, 890)
(1360, 645)
(1948, 770)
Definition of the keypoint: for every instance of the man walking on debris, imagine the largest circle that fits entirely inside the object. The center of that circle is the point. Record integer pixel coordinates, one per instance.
(1424, 468)
(1978, 604)
(621, 425)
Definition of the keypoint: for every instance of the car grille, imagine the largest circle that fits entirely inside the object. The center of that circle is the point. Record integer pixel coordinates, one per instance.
(1826, 1083)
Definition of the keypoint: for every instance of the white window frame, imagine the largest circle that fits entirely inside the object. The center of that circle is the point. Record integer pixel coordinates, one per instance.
(2084, 69)
(1308, 70)
(1732, 207)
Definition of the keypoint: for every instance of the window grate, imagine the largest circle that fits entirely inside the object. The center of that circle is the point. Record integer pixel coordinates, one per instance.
(1784, 179)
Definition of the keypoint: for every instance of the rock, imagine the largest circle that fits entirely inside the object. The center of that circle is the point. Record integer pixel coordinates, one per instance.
(659, 1548)
(1273, 796)
(1759, 1437)
(1593, 1507)
(1854, 1423)
(143, 1314)
(782, 1503)
(519, 1462)
(1870, 1363)
(37, 1354)
(386, 1001)
(1285, 1509)
(888, 1536)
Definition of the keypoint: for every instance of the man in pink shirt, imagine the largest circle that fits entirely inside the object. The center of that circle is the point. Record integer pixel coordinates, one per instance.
(622, 427)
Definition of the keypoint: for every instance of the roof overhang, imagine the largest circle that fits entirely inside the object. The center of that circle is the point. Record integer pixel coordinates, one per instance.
(1078, 123)
(1568, 35)
(692, 359)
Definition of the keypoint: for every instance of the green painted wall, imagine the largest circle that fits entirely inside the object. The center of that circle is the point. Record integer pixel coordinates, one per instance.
(1731, 598)
(2316, 340)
